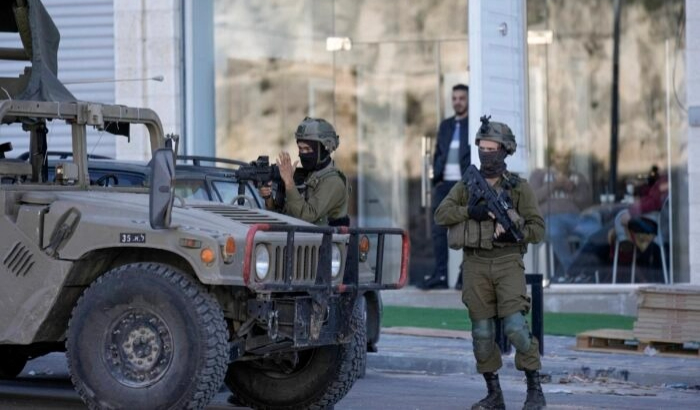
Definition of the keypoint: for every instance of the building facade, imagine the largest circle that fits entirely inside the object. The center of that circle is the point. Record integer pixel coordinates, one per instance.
(239, 75)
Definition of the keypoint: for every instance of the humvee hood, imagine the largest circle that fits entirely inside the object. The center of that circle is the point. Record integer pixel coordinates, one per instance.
(134, 208)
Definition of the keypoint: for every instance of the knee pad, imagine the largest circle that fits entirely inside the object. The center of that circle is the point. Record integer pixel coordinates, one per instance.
(515, 327)
(483, 336)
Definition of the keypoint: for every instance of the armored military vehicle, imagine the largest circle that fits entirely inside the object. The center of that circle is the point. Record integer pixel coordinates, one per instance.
(157, 301)
(209, 179)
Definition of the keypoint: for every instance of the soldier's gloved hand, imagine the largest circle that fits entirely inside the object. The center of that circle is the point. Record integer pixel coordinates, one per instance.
(479, 212)
(265, 191)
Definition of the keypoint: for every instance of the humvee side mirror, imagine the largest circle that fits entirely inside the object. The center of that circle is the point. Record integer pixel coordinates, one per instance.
(162, 189)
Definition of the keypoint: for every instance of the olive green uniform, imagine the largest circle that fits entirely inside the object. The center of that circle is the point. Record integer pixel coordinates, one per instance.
(494, 279)
(325, 197)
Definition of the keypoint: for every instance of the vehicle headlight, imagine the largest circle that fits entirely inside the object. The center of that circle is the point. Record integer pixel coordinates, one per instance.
(335, 260)
(262, 261)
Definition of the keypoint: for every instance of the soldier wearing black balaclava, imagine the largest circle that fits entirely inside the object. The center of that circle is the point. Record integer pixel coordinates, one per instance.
(493, 269)
(317, 192)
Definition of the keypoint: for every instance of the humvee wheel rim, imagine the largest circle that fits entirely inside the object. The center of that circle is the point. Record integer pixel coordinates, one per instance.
(138, 349)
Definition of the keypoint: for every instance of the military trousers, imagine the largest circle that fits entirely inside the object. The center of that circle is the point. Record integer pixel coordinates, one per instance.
(494, 286)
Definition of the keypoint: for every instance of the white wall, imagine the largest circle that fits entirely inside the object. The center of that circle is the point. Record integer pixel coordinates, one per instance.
(693, 83)
(148, 43)
(498, 72)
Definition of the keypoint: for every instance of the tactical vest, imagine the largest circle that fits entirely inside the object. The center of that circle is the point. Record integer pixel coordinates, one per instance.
(479, 235)
(310, 183)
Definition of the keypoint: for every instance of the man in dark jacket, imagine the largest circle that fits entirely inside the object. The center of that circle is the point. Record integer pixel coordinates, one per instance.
(452, 157)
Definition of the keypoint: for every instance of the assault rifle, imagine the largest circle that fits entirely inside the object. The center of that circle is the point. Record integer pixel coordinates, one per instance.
(261, 173)
(497, 203)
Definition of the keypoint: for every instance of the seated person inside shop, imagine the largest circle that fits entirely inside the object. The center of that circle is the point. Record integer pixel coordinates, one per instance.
(562, 194)
(637, 225)
(596, 254)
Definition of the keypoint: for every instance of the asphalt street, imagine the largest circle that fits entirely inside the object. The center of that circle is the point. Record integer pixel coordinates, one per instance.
(45, 384)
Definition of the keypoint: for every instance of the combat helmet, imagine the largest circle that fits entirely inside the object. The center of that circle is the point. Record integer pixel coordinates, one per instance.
(318, 129)
(497, 132)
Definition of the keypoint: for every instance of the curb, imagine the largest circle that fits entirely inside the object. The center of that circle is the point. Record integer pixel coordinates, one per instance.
(562, 364)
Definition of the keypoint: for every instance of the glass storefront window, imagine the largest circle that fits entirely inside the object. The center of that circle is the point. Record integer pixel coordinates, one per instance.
(272, 69)
(387, 85)
(595, 235)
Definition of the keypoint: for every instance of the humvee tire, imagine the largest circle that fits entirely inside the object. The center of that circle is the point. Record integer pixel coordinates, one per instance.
(145, 334)
(11, 362)
(374, 311)
(322, 376)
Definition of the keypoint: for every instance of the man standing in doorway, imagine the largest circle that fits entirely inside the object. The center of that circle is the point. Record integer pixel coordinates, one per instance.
(452, 157)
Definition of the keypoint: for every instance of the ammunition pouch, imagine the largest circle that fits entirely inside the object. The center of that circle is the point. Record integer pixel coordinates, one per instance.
(471, 234)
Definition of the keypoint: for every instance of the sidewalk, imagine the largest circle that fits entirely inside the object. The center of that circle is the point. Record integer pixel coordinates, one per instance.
(611, 299)
(432, 351)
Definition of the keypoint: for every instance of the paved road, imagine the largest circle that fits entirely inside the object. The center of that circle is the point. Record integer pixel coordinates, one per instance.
(45, 384)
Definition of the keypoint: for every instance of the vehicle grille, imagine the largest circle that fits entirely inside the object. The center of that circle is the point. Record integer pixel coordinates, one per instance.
(303, 266)
(19, 260)
(242, 215)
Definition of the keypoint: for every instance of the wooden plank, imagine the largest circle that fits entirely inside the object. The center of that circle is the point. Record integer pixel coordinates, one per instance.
(678, 302)
(672, 289)
(676, 315)
(624, 341)
(667, 329)
(670, 349)
(615, 339)
(663, 329)
(679, 339)
(609, 333)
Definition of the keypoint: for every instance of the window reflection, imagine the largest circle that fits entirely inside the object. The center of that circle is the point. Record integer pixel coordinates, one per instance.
(192, 189)
(391, 89)
(570, 105)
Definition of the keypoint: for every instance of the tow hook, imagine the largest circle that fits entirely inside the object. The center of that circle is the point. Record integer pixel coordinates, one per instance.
(272, 324)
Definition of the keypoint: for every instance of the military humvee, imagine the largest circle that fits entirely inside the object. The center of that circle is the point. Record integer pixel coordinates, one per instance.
(208, 179)
(157, 301)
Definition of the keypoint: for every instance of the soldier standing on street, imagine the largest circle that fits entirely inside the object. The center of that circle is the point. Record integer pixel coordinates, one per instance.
(317, 192)
(493, 269)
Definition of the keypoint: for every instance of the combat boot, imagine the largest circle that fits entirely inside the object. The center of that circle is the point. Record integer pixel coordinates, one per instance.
(535, 397)
(494, 398)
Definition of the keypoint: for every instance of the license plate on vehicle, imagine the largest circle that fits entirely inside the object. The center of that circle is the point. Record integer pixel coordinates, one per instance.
(132, 238)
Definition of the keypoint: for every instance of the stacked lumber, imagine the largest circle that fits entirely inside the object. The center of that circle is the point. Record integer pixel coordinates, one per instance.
(668, 314)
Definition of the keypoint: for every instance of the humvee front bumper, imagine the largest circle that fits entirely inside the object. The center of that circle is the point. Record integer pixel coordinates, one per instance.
(299, 315)
(300, 322)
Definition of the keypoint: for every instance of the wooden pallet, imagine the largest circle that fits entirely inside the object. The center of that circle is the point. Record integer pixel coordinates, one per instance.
(624, 341)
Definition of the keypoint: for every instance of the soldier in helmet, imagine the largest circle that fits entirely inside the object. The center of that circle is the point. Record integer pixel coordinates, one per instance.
(493, 269)
(317, 192)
